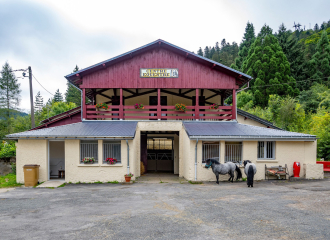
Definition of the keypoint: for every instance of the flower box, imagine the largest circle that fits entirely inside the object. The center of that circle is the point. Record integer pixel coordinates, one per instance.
(111, 161)
(138, 106)
(214, 106)
(88, 160)
(180, 107)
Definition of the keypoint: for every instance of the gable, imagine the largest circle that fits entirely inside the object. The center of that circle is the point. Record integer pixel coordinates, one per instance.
(192, 74)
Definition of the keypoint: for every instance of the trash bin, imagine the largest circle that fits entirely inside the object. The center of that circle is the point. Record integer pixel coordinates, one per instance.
(31, 175)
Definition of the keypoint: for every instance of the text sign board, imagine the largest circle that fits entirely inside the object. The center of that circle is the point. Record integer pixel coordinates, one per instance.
(159, 72)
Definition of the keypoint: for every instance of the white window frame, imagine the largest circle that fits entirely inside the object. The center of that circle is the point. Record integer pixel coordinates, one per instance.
(104, 152)
(265, 150)
(213, 143)
(233, 151)
(94, 142)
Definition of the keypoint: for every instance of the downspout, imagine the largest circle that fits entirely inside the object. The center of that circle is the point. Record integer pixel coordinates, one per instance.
(196, 160)
(127, 157)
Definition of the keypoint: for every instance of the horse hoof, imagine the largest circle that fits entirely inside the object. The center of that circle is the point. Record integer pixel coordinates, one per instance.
(217, 182)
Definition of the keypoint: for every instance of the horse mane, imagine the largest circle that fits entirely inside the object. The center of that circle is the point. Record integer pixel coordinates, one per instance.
(213, 161)
(246, 162)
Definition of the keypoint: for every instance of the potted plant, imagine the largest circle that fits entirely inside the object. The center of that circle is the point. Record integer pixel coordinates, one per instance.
(128, 177)
(214, 106)
(111, 160)
(138, 106)
(180, 107)
(102, 106)
(88, 160)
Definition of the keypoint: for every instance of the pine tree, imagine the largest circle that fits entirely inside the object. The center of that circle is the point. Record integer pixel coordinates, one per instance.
(294, 51)
(268, 65)
(200, 52)
(72, 94)
(248, 39)
(39, 103)
(316, 28)
(207, 52)
(9, 91)
(265, 30)
(319, 65)
(58, 96)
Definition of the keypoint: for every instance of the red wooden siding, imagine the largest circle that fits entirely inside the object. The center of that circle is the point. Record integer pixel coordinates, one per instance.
(126, 74)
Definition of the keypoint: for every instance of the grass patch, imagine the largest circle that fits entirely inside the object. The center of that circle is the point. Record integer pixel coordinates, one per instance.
(98, 182)
(113, 182)
(63, 185)
(195, 182)
(38, 184)
(9, 181)
(244, 179)
(78, 182)
(51, 187)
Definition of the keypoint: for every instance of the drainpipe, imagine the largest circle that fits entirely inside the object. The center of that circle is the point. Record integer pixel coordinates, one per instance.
(127, 157)
(196, 160)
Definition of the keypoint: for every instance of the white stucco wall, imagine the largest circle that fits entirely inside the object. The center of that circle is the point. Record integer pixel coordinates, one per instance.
(32, 152)
(78, 172)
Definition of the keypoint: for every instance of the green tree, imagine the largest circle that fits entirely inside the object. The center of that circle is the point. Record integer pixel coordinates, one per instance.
(248, 39)
(294, 51)
(9, 95)
(319, 65)
(58, 96)
(200, 52)
(207, 52)
(245, 100)
(9, 90)
(39, 102)
(265, 30)
(72, 94)
(317, 96)
(268, 65)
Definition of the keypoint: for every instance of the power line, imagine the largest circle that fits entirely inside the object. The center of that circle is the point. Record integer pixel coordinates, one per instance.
(288, 82)
(42, 86)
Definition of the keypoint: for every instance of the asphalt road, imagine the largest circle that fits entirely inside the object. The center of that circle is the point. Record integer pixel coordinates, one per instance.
(273, 210)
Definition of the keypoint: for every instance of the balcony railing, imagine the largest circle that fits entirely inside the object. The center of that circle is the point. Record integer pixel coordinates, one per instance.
(117, 112)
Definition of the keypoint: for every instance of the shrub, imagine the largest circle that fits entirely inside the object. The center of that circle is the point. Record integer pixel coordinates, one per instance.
(7, 150)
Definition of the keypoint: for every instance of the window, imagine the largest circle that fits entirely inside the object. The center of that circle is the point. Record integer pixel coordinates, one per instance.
(210, 150)
(88, 149)
(233, 152)
(112, 149)
(266, 150)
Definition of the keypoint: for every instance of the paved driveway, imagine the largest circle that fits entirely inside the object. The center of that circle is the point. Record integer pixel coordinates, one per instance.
(275, 210)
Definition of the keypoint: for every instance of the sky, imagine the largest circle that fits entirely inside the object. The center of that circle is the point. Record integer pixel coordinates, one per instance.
(53, 36)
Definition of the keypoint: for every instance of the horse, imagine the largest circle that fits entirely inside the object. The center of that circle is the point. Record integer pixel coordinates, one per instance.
(250, 170)
(223, 169)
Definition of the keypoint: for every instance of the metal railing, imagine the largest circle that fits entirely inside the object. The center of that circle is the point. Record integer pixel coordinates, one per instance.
(233, 152)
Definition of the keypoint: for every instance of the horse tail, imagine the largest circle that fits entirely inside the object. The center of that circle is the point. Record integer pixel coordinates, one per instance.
(250, 176)
(239, 173)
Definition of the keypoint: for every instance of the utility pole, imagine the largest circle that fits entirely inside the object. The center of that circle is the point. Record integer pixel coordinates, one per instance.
(31, 98)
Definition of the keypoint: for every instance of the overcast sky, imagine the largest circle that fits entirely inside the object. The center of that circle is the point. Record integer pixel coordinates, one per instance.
(52, 36)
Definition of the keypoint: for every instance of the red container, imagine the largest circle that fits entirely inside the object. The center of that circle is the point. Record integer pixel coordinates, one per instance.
(296, 169)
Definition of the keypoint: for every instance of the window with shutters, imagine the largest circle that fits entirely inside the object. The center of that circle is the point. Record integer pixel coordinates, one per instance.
(210, 150)
(266, 150)
(89, 149)
(112, 149)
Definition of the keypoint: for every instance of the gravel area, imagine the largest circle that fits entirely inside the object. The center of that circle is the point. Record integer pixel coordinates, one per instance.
(272, 209)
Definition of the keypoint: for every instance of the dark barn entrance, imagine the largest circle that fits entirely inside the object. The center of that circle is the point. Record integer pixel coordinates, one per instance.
(157, 151)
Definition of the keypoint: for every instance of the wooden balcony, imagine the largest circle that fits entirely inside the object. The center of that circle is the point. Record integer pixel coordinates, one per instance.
(160, 113)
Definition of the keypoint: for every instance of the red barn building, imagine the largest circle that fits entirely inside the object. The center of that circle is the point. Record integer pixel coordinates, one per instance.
(158, 108)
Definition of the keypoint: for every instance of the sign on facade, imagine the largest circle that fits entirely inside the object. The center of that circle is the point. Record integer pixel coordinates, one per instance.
(159, 72)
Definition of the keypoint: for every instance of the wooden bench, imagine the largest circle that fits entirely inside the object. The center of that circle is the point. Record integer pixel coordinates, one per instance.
(326, 165)
(277, 171)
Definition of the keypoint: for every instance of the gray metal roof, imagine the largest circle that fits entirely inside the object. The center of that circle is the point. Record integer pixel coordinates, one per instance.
(234, 130)
(86, 129)
(152, 43)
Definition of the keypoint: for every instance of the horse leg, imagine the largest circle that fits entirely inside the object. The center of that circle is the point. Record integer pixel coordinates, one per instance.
(232, 176)
(217, 175)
